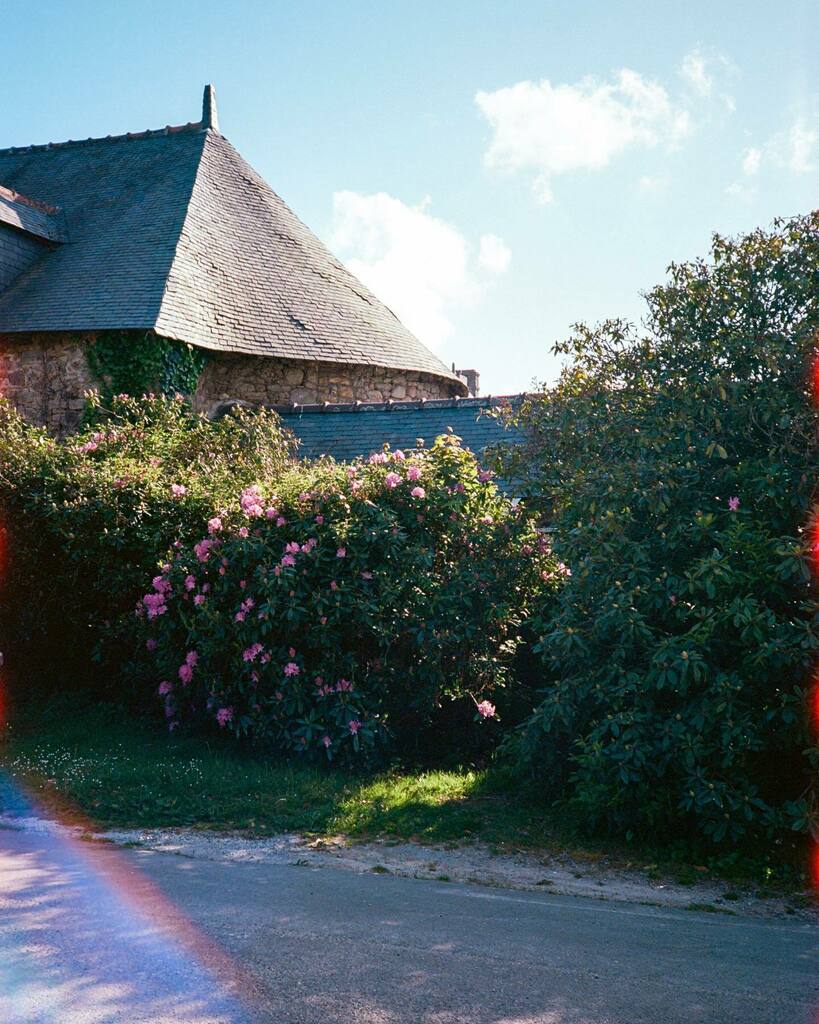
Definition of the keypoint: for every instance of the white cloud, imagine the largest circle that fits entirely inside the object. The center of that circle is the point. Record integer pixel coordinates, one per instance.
(494, 254)
(751, 161)
(798, 146)
(422, 267)
(694, 70)
(795, 149)
(652, 184)
(554, 129)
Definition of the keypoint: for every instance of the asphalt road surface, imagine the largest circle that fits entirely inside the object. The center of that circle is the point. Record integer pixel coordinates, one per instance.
(90, 934)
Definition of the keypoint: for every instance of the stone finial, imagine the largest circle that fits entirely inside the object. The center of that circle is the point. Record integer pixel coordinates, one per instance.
(210, 116)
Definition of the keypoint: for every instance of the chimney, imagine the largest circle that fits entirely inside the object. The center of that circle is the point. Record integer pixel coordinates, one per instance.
(210, 116)
(472, 379)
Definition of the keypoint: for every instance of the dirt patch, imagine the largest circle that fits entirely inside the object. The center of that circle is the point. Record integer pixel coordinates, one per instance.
(474, 864)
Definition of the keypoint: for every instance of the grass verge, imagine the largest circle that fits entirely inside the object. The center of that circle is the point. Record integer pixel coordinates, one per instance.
(103, 769)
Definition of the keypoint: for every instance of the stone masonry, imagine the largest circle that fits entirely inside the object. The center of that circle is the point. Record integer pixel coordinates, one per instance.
(44, 377)
(260, 380)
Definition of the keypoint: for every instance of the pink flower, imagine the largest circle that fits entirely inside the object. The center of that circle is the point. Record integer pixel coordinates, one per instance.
(270, 513)
(150, 644)
(243, 531)
(418, 492)
(251, 502)
(292, 548)
(414, 473)
(252, 652)
(323, 620)
(343, 686)
(327, 741)
(281, 521)
(239, 616)
(224, 715)
(202, 550)
(341, 553)
(291, 669)
(161, 585)
(164, 687)
(486, 710)
(392, 480)
(190, 582)
(333, 586)
(366, 575)
(185, 673)
(378, 457)
(319, 520)
(199, 599)
(354, 725)
(177, 490)
(288, 560)
(485, 475)
(733, 504)
(214, 525)
(192, 659)
(398, 455)
(292, 652)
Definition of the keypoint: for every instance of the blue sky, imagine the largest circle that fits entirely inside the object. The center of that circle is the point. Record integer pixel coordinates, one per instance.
(494, 171)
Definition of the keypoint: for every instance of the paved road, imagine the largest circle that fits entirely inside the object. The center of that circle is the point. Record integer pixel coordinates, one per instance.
(95, 935)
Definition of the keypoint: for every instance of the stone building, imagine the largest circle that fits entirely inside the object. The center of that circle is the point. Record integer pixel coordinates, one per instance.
(170, 232)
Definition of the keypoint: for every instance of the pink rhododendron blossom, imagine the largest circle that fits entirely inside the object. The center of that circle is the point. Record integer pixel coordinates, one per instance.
(327, 741)
(323, 620)
(288, 560)
(319, 519)
(251, 501)
(281, 521)
(190, 582)
(733, 504)
(199, 599)
(354, 725)
(398, 455)
(192, 659)
(252, 652)
(150, 644)
(291, 669)
(185, 673)
(377, 458)
(214, 525)
(239, 616)
(414, 473)
(277, 570)
(270, 513)
(291, 652)
(155, 605)
(243, 531)
(333, 585)
(224, 715)
(341, 553)
(205, 588)
(161, 585)
(343, 686)
(164, 687)
(418, 492)
(177, 490)
(202, 550)
(392, 480)
(292, 547)
(366, 575)
(486, 710)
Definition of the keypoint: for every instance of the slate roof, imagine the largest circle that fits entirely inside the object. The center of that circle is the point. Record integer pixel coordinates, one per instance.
(32, 217)
(346, 431)
(171, 230)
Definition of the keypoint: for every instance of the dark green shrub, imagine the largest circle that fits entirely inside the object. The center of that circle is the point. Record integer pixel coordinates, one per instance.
(678, 468)
(87, 518)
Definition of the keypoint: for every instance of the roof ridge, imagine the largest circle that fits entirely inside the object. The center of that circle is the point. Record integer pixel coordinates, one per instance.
(35, 204)
(169, 129)
(398, 406)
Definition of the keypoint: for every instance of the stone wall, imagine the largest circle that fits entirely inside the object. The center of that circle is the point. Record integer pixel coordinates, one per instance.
(44, 377)
(285, 382)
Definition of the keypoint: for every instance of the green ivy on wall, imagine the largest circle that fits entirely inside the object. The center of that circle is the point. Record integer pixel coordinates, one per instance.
(134, 363)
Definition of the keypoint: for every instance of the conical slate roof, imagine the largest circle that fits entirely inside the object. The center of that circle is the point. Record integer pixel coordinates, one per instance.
(171, 230)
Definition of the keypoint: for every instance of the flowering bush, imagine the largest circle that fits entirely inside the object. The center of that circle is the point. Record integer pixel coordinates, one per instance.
(679, 470)
(86, 518)
(337, 606)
